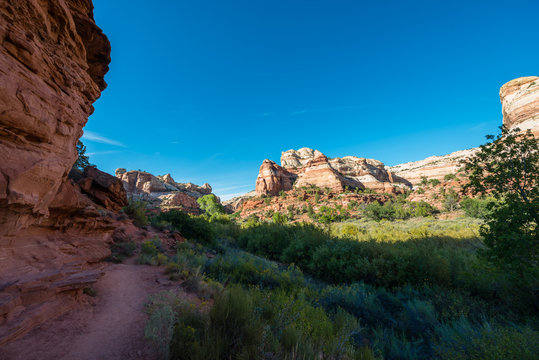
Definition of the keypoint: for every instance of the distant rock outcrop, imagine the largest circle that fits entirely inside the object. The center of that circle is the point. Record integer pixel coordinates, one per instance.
(53, 59)
(306, 167)
(162, 191)
(520, 103)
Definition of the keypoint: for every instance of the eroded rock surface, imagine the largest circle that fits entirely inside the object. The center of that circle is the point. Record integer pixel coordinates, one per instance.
(520, 103)
(53, 59)
(162, 191)
(306, 167)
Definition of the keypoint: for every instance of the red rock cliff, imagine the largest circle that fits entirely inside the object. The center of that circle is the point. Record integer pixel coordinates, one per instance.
(53, 59)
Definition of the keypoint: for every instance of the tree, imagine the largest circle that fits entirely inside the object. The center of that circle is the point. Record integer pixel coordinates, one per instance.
(211, 205)
(451, 200)
(507, 168)
(83, 160)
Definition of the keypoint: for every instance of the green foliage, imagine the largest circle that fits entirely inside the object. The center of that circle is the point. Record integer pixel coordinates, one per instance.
(507, 168)
(449, 177)
(451, 200)
(136, 210)
(82, 159)
(462, 340)
(211, 205)
(477, 207)
(392, 210)
(424, 180)
(191, 227)
(434, 182)
(279, 218)
(151, 253)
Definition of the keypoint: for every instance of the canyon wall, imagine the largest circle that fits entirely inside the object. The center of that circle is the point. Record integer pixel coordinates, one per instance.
(308, 167)
(53, 59)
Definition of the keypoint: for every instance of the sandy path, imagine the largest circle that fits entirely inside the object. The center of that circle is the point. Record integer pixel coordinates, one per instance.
(113, 328)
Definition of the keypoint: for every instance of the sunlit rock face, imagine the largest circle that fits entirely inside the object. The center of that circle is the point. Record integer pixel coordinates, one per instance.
(520, 103)
(53, 59)
(306, 167)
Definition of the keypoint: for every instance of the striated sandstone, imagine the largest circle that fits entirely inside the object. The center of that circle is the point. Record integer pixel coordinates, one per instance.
(53, 59)
(273, 178)
(104, 189)
(306, 167)
(162, 191)
(520, 103)
(433, 167)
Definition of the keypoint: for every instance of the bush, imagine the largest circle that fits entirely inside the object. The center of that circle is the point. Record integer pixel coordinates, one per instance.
(231, 330)
(462, 340)
(191, 227)
(476, 207)
(122, 250)
(136, 210)
(210, 205)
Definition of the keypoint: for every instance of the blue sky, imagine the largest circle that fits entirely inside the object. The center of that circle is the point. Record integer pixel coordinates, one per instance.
(207, 90)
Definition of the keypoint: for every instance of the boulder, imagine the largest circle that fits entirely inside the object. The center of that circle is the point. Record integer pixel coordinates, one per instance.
(104, 189)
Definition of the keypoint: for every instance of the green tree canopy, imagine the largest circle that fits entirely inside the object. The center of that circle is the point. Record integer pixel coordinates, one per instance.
(211, 205)
(507, 168)
(83, 160)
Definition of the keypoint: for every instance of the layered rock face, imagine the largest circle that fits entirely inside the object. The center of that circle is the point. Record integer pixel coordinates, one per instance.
(273, 178)
(162, 191)
(433, 167)
(306, 167)
(53, 59)
(520, 103)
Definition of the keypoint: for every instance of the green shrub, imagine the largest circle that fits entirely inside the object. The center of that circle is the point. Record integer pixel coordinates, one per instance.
(122, 250)
(191, 227)
(136, 210)
(210, 205)
(476, 207)
(462, 340)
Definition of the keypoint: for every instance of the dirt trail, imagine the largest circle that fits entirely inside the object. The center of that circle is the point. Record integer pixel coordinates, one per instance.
(113, 328)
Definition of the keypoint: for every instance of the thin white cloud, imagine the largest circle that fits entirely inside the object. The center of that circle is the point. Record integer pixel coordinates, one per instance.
(225, 197)
(229, 188)
(102, 152)
(337, 108)
(92, 136)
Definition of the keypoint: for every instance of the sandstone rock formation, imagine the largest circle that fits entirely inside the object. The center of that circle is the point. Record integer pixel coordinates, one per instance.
(520, 103)
(162, 191)
(273, 179)
(104, 189)
(232, 205)
(433, 167)
(53, 59)
(306, 167)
